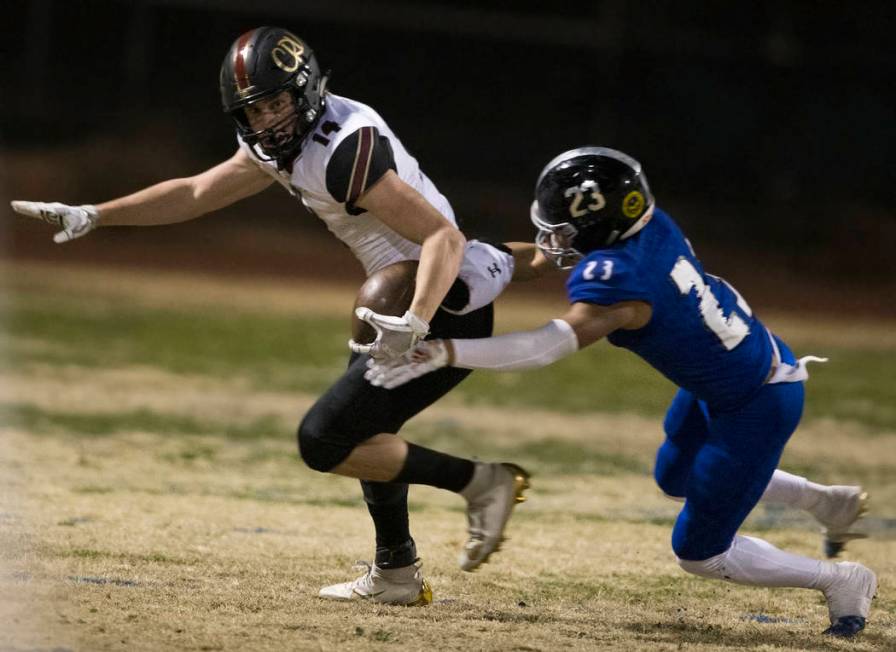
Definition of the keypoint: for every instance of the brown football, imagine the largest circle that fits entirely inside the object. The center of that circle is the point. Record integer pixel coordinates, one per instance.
(388, 291)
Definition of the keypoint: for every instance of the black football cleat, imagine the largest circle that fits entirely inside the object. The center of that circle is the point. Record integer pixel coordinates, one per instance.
(849, 590)
(846, 627)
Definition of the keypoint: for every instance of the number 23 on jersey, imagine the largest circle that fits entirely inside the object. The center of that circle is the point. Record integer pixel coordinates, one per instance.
(592, 272)
(731, 330)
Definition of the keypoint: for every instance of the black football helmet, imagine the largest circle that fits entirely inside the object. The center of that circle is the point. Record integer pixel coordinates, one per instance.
(261, 63)
(588, 198)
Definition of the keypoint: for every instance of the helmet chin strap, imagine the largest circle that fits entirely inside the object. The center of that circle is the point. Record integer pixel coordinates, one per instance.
(322, 85)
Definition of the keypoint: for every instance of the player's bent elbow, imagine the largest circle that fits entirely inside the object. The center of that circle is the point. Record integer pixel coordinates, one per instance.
(453, 241)
(453, 236)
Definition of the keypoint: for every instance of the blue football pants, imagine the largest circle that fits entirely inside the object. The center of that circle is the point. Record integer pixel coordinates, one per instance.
(721, 463)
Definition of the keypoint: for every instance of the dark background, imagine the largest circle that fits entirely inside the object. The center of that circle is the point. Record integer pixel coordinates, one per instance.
(767, 128)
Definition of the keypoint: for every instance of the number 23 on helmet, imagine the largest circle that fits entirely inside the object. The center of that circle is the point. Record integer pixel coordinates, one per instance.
(589, 198)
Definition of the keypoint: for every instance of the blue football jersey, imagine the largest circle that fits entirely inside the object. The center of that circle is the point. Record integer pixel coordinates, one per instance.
(702, 334)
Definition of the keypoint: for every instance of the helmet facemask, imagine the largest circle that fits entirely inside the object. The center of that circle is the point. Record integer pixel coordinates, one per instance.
(555, 240)
(262, 64)
(276, 141)
(282, 140)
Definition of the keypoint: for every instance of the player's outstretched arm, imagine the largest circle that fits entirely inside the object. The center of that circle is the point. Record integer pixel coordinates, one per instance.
(582, 325)
(175, 200)
(528, 261)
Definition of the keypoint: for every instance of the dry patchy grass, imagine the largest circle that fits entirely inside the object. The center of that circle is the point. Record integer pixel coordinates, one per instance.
(202, 533)
(144, 540)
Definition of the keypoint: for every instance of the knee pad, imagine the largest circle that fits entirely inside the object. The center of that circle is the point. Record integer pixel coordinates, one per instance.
(670, 471)
(318, 450)
(671, 481)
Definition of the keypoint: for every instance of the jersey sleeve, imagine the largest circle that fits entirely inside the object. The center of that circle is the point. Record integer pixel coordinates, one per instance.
(358, 162)
(606, 277)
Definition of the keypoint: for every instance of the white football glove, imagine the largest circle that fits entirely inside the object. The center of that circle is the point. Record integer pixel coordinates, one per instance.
(74, 220)
(425, 358)
(395, 336)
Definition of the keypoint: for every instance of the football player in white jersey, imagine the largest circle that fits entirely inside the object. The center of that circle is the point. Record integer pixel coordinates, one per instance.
(345, 164)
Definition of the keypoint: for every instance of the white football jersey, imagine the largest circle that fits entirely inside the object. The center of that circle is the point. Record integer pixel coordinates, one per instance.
(349, 150)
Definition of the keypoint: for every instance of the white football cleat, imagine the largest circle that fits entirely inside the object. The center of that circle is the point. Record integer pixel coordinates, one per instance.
(849, 592)
(837, 512)
(492, 493)
(401, 586)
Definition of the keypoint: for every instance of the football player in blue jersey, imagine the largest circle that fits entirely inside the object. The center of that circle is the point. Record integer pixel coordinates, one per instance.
(636, 281)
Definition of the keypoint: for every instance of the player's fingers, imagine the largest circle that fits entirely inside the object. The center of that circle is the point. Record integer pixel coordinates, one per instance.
(359, 348)
(400, 376)
(392, 323)
(63, 236)
(375, 366)
(29, 208)
(377, 376)
(378, 321)
(390, 376)
(364, 313)
(387, 382)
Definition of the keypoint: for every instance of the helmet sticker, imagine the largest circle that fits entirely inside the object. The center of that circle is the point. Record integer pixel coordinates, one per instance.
(287, 54)
(633, 204)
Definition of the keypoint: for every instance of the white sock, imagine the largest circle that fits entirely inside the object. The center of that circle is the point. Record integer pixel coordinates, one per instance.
(758, 563)
(793, 490)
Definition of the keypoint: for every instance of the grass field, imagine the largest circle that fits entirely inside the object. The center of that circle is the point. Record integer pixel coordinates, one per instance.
(152, 498)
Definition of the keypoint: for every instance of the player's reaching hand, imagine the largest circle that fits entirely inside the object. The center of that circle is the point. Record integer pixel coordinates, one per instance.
(529, 262)
(423, 359)
(74, 220)
(395, 336)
